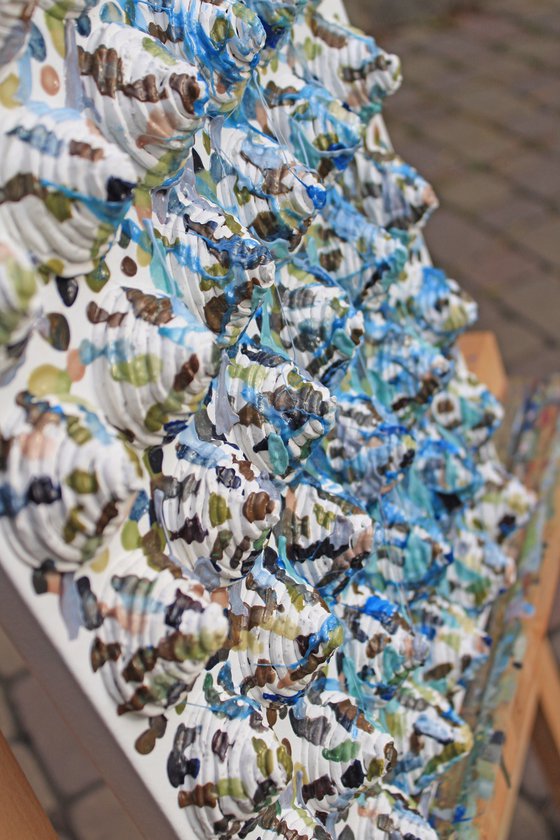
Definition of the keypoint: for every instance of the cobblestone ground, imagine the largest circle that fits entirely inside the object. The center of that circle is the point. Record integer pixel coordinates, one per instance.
(478, 115)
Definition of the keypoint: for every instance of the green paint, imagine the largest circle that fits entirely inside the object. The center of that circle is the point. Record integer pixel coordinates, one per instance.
(311, 49)
(220, 544)
(295, 380)
(336, 638)
(73, 525)
(130, 535)
(211, 696)
(158, 51)
(285, 760)
(47, 379)
(218, 510)
(242, 195)
(265, 757)
(376, 769)
(138, 371)
(158, 414)
(97, 278)
(346, 751)
(254, 375)
(82, 481)
(79, 433)
(59, 206)
(22, 280)
(56, 31)
(232, 224)
(231, 787)
(325, 518)
(221, 30)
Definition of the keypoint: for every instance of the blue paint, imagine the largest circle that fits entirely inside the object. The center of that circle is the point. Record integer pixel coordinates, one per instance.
(37, 46)
(379, 608)
(11, 501)
(225, 679)
(140, 507)
(38, 137)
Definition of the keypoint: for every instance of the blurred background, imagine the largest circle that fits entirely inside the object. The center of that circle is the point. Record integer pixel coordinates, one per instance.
(479, 116)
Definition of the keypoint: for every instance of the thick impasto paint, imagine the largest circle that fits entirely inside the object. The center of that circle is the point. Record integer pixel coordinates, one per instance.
(238, 444)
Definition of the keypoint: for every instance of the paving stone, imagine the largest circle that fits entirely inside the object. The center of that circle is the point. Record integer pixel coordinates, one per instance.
(515, 213)
(519, 7)
(471, 139)
(533, 783)
(11, 662)
(422, 68)
(544, 240)
(506, 68)
(542, 128)
(519, 342)
(452, 237)
(495, 103)
(447, 83)
(8, 726)
(499, 268)
(456, 80)
(474, 190)
(536, 172)
(70, 768)
(537, 49)
(541, 362)
(452, 45)
(35, 775)
(546, 92)
(552, 816)
(400, 135)
(403, 99)
(549, 21)
(426, 110)
(99, 816)
(539, 299)
(489, 27)
(528, 822)
(536, 85)
(410, 38)
(434, 164)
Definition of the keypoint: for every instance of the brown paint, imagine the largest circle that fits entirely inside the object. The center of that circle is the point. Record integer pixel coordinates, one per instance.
(50, 80)
(128, 266)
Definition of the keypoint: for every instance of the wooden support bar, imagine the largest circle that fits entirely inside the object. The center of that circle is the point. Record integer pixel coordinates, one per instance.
(21, 815)
(539, 672)
(516, 696)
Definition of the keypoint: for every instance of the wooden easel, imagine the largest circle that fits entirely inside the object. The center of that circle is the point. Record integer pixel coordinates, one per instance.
(21, 816)
(530, 679)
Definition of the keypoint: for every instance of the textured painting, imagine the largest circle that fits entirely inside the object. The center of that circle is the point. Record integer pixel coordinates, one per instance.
(240, 454)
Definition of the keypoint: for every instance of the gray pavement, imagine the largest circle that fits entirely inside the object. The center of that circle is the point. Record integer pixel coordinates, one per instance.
(479, 115)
